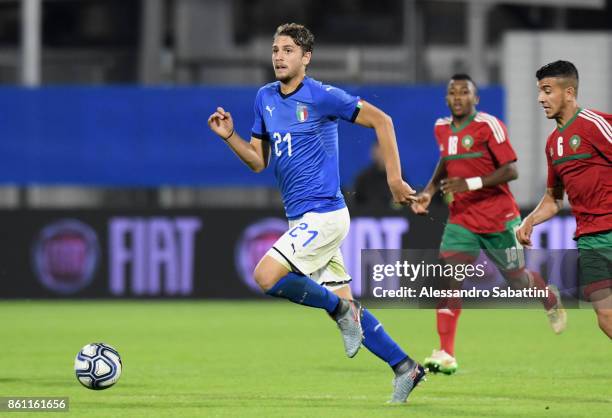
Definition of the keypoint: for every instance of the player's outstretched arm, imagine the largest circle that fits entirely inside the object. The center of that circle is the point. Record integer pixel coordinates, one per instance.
(254, 154)
(372, 117)
(549, 206)
(423, 199)
(502, 174)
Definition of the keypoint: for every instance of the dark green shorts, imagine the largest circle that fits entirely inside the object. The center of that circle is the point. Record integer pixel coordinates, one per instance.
(595, 260)
(461, 244)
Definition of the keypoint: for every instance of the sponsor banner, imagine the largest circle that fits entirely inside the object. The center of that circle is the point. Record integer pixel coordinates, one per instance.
(187, 253)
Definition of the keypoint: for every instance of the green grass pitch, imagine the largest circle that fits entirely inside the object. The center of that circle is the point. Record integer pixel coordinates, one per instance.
(276, 359)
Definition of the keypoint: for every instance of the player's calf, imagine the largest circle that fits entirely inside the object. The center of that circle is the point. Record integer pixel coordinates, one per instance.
(523, 279)
(552, 302)
(379, 342)
(302, 290)
(277, 281)
(375, 338)
(447, 317)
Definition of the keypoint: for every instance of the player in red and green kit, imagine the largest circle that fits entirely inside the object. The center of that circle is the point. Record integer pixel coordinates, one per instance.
(476, 163)
(579, 155)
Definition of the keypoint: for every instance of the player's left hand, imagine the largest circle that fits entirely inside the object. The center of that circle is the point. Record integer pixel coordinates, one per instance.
(421, 203)
(453, 185)
(402, 192)
(523, 233)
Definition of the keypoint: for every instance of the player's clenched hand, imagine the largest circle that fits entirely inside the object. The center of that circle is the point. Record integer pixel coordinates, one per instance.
(453, 185)
(523, 233)
(221, 123)
(421, 203)
(402, 192)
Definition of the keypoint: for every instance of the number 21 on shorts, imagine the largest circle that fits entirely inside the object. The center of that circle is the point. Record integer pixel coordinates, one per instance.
(303, 226)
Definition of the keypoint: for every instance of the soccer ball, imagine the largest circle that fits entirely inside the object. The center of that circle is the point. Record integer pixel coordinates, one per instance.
(98, 366)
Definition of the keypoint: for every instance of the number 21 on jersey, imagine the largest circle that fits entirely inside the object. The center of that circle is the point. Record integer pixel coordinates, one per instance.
(278, 140)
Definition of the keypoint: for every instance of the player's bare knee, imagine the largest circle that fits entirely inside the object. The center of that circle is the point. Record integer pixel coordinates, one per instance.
(268, 272)
(263, 279)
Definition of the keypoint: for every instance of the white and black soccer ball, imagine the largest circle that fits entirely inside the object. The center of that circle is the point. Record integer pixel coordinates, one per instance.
(98, 366)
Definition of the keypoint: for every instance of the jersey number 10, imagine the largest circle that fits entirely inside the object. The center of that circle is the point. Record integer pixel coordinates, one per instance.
(278, 141)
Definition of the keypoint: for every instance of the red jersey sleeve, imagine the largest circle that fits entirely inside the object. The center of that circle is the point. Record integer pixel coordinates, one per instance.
(601, 136)
(552, 180)
(437, 131)
(498, 142)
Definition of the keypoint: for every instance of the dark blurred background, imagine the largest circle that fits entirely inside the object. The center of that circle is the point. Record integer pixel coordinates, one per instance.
(103, 108)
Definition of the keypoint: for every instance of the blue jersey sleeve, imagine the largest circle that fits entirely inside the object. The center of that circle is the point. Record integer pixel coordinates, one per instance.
(336, 103)
(259, 127)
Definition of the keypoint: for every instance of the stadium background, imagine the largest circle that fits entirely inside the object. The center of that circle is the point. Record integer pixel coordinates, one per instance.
(112, 186)
(103, 109)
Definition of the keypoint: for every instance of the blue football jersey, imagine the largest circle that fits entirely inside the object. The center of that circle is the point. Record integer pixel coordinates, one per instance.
(302, 128)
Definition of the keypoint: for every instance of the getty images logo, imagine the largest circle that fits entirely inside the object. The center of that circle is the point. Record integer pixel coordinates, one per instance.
(65, 256)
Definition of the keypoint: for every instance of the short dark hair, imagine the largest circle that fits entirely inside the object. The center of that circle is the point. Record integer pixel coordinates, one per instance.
(300, 34)
(561, 69)
(466, 77)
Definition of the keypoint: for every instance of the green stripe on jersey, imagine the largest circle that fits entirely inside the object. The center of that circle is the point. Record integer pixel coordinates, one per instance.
(571, 157)
(569, 122)
(457, 129)
(462, 156)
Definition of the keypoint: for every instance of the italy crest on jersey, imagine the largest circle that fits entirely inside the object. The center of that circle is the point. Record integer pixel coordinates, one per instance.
(467, 142)
(574, 142)
(301, 112)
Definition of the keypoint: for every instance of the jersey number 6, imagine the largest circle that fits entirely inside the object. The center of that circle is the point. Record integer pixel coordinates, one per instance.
(560, 146)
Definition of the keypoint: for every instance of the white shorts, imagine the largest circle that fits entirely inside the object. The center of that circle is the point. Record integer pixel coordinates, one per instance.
(311, 246)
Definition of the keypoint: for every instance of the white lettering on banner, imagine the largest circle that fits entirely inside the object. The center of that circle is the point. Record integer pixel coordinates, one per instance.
(370, 233)
(154, 255)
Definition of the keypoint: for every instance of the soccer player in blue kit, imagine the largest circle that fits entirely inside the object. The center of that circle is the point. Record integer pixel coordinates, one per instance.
(296, 132)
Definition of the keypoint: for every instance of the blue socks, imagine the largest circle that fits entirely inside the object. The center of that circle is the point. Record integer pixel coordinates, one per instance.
(379, 342)
(304, 291)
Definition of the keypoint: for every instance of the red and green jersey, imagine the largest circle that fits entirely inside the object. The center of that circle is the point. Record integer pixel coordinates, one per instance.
(476, 149)
(579, 157)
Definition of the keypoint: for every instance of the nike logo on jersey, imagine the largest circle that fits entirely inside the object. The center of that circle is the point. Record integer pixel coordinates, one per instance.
(270, 109)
